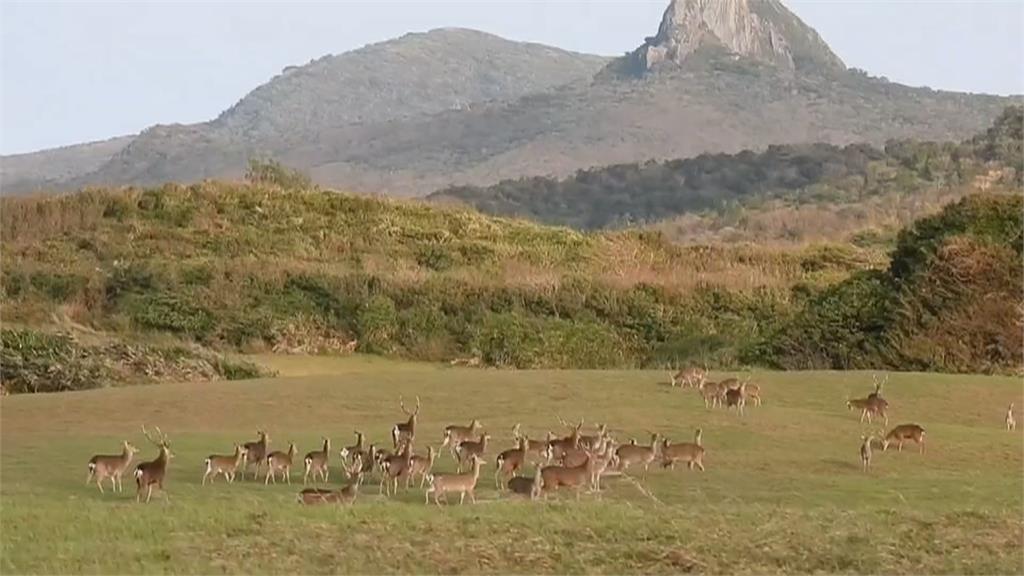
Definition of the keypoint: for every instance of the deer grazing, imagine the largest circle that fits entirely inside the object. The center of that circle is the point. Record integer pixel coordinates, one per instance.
(526, 486)
(153, 473)
(103, 466)
(865, 451)
(470, 448)
(455, 434)
(901, 434)
(224, 464)
(280, 461)
(405, 431)
(316, 462)
(691, 377)
(344, 496)
(690, 453)
(1011, 424)
(870, 407)
(510, 461)
(438, 484)
(713, 393)
(633, 453)
(256, 453)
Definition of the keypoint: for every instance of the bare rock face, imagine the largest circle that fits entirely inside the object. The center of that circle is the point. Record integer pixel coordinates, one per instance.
(763, 30)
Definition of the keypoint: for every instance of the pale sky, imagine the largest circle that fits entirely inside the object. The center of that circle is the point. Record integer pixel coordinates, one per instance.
(80, 71)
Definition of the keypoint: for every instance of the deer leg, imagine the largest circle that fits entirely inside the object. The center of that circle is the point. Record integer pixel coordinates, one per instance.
(472, 496)
(700, 465)
(88, 479)
(149, 493)
(99, 482)
(462, 497)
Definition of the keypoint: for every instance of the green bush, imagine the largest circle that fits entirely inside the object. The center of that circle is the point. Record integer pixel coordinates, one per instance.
(377, 324)
(176, 313)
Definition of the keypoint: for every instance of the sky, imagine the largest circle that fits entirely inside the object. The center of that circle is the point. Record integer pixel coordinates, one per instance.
(81, 71)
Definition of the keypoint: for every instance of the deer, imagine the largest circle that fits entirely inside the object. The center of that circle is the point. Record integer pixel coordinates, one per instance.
(256, 453)
(438, 484)
(865, 451)
(607, 459)
(736, 397)
(406, 431)
(691, 453)
(355, 449)
(525, 486)
(594, 442)
(902, 433)
(282, 461)
(633, 453)
(691, 377)
(469, 448)
(713, 393)
(345, 496)
(153, 473)
(103, 466)
(577, 477)
(510, 461)
(394, 466)
(1011, 424)
(224, 464)
(878, 386)
(560, 445)
(869, 407)
(316, 462)
(535, 448)
(455, 434)
(421, 466)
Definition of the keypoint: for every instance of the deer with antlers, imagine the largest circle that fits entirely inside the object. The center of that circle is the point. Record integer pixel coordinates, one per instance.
(405, 431)
(280, 462)
(226, 464)
(456, 434)
(153, 473)
(878, 386)
(438, 484)
(256, 453)
(560, 445)
(103, 466)
(316, 462)
(869, 408)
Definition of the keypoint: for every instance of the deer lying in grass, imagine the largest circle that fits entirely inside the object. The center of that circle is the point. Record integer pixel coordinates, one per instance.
(153, 473)
(455, 434)
(689, 377)
(1011, 424)
(316, 463)
(870, 407)
(470, 448)
(280, 461)
(713, 393)
(421, 466)
(344, 496)
(103, 466)
(901, 434)
(526, 486)
(865, 451)
(405, 431)
(690, 453)
(632, 453)
(256, 453)
(438, 484)
(224, 464)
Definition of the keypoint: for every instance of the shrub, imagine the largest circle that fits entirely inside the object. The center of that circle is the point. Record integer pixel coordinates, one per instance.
(269, 171)
(377, 324)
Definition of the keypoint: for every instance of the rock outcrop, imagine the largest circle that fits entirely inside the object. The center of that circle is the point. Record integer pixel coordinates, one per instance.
(763, 30)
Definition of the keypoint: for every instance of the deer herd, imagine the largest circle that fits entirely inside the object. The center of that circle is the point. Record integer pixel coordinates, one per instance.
(573, 461)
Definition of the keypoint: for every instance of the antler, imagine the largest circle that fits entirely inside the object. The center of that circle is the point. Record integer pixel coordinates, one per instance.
(516, 431)
(160, 442)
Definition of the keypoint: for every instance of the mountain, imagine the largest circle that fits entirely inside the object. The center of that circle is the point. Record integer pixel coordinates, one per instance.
(407, 77)
(413, 115)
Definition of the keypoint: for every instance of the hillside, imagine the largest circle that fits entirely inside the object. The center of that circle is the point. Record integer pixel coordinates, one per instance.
(23, 172)
(735, 196)
(258, 267)
(712, 100)
(406, 77)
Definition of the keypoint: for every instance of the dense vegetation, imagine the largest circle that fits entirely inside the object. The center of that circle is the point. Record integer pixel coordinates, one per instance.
(255, 267)
(732, 189)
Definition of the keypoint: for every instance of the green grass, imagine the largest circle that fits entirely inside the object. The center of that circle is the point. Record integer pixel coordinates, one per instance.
(783, 491)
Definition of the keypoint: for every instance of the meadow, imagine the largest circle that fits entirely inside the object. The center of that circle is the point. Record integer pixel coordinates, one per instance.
(783, 492)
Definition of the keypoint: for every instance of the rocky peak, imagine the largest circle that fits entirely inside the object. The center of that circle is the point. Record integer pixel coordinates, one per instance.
(762, 30)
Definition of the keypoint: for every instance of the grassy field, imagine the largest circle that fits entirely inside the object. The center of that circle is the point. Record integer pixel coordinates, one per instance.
(783, 490)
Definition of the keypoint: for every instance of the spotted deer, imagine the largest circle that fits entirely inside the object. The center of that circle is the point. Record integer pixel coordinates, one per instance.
(691, 377)
(103, 466)
(280, 462)
(316, 462)
(608, 458)
(690, 453)
(632, 453)
(736, 397)
(443, 484)
(901, 434)
(510, 461)
(154, 472)
(405, 431)
(870, 407)
(455, 434)
(713, 393)
(350, 452)
(256, 453)
(227, 465)
(575, 477)
(393, 467)
(539, 449)
(344, 496)
(470, 448)
(421, 466)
